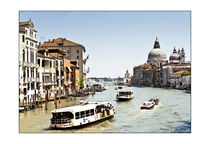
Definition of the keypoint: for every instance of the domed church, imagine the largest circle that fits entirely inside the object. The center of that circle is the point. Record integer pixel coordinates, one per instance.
(156, 56)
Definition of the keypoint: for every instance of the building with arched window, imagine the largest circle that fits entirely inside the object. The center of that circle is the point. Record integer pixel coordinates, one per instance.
(28, 67)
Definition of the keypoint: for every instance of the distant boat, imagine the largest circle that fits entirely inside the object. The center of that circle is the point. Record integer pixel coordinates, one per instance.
(187, 91)
(124, 95)
(21, 109)
(155, 100)
(148, 105)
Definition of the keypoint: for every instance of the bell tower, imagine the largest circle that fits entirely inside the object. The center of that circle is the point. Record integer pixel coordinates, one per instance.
(182, 54)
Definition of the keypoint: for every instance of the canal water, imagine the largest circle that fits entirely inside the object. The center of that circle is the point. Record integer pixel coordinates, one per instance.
(173, 114)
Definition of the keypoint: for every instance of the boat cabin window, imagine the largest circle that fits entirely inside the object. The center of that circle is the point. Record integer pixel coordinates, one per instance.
(63, 115)
(92, 112)
(82, 114)
(77, 115)
(87, 113)
(125, 93)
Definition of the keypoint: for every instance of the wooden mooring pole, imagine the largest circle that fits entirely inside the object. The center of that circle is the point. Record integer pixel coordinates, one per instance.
(46, 101)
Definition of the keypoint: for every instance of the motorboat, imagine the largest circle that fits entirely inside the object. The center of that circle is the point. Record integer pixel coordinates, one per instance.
(155, 100)
(21, 109)
(148, 105)
(124, 95)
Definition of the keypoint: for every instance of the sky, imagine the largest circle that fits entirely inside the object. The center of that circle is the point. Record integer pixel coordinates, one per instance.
(114, 40)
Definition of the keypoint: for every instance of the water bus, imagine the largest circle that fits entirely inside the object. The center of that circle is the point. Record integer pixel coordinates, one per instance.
(124, 95)
(80, 115)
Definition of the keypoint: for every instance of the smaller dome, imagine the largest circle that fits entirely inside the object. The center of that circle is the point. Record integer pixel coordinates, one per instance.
(174, 55)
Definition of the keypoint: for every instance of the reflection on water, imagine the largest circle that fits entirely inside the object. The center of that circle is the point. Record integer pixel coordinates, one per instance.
(171, 115)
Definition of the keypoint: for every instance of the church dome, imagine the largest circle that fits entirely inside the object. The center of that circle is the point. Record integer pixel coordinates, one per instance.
(174, 55)
(156, 54)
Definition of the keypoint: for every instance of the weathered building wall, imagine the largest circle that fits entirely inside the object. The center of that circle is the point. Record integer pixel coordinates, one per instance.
(28, 67)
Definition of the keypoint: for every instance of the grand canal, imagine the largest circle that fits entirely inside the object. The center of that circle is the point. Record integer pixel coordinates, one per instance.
(173, 114)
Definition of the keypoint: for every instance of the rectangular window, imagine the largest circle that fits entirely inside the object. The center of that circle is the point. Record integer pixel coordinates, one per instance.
(50, 64)
(32, 86)
(77, 57)
(87, 113)
(92, 112)
(39, 62)
(28, 86)
(23, 38)
(43, 63)
(82, 114)
(54, 64)
(77, 51)
(77, 115)
(27, 56)
(32, 57)
(26, 42)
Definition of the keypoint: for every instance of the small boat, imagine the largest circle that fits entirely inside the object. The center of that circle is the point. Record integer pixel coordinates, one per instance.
(124, 95)
(187, 91)
(148, 105)
(21, 109)
(155, 100)
(81, 115)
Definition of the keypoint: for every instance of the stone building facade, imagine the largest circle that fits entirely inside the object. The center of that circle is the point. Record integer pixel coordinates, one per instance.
(179, 81)
(28, 67)
(74, 75)
(171, 68)
(138, 77)
(74, 51)
(67, 76)
(50, 75)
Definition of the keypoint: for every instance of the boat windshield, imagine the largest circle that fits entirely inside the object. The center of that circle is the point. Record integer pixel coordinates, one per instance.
(62, 115)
